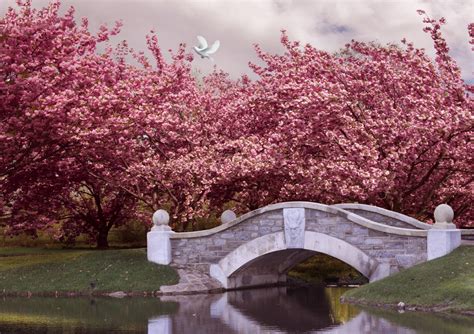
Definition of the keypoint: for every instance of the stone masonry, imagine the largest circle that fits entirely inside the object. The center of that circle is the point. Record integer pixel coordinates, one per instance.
(397, 251)
(260, 247)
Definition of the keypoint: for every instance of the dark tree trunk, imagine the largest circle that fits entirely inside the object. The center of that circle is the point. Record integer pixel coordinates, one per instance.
(102, 242)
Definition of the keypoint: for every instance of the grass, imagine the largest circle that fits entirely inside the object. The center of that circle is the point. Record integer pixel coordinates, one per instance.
(445, 284)
(80, 270)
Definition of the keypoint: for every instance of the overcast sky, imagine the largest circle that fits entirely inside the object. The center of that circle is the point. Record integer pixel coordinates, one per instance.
(238, 24)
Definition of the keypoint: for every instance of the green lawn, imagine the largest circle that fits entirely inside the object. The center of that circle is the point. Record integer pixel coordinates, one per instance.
(444, 284)
(80, 270)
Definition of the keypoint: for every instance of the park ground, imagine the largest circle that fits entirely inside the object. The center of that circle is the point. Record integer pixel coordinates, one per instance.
(445, 284)
(42, 271)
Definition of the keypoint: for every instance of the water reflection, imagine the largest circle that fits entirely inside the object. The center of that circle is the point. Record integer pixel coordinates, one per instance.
(275, 310)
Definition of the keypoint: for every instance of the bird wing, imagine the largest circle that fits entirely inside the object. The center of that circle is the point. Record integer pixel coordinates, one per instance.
(203, 54)
(202, 43)
(213, 48)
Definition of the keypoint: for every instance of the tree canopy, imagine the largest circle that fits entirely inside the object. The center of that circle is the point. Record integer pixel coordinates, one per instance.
(90, 141)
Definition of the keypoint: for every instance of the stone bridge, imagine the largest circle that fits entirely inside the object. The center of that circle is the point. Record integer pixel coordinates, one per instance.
(260, 247)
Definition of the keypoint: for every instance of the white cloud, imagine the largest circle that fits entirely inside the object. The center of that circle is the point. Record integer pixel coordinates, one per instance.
(238, 24)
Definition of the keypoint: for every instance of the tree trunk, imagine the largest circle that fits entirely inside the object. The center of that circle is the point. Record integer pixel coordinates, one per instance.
(102, 242)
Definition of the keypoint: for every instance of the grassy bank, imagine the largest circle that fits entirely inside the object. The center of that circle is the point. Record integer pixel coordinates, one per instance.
(40, 271)
(444, 285)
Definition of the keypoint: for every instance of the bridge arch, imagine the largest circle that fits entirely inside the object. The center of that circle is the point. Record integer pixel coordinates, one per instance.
(238, 269)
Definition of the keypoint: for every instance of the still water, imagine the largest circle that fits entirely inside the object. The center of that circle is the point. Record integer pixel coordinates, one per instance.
(270, 310)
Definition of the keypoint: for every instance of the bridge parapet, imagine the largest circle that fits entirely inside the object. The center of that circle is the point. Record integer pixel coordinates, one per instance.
(335, 210)
(383, 216)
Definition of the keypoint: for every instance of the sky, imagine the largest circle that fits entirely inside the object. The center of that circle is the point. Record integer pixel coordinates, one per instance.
(239, 24)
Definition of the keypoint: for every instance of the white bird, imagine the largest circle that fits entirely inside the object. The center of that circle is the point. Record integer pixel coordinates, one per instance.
(204, 50)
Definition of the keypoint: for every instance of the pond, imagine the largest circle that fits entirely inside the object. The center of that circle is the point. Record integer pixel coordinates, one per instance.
(269, 310)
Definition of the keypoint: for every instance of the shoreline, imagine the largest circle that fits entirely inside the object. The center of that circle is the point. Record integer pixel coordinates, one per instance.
(437, 309)
(443, 285)
(111, 294)
(172, 291)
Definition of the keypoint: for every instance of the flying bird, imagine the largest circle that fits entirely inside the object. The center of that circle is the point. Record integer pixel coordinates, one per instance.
(204, 50)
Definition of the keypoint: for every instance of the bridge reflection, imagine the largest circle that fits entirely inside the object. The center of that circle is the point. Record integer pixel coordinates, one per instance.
(270, 310)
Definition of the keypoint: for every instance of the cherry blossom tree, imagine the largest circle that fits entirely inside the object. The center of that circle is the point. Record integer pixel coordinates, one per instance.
(86, 135)
(383, 125)
(55, 104)
(90, 142)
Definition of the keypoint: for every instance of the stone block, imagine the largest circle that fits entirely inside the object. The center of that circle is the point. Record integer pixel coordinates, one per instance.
(251, 227)
(442, 242)
(373, 233)
(265, 230)
(278, 215)
(406, 261)
(218, 241)
(267, 222)
(180, 261)
(233, 244)
(358, 231)
(382, 271)
(209, 259)
(374, 241)
(159, 247)
(352, 240)
(396, 245)
(294, 227)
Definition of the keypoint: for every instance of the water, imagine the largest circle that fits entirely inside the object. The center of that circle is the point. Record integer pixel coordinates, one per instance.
(271, 310)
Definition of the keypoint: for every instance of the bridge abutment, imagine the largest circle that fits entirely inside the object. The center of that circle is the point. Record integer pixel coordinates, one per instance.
(443, 238)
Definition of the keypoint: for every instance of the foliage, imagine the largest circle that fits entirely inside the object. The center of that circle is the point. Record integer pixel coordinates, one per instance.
(385, 126)
(90, 142)
(54, 105)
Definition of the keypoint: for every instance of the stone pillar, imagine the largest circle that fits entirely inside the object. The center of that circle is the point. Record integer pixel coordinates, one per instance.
(443, 237)
(158, 239)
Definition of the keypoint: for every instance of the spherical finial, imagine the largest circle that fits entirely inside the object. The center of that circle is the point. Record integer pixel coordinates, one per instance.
(161, 217)
(444, 214)
(228, 216)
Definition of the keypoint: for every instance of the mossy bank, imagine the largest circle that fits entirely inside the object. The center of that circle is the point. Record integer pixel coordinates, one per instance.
(442, 285)
(31, 271)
